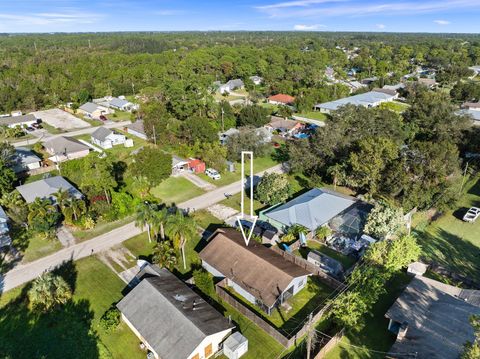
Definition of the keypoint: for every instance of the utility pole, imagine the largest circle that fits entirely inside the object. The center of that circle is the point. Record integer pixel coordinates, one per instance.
(89, 44)
(463, 179)
(35, 46)
(154, 136)
(133, 88)
(309, 335)
(223, 125)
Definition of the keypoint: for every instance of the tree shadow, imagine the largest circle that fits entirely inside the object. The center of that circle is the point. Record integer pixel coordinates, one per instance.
(460, 212)
(65, 331)
(68, 271)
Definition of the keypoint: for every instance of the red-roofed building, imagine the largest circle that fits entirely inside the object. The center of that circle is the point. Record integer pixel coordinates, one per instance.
(281, 99)
(196, 166)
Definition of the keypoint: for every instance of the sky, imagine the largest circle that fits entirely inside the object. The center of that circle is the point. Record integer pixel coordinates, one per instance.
(459, 16)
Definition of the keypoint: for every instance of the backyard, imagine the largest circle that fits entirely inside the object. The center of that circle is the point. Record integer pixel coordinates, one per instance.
(72, 331)
(395, 106)
(346, 261)
(314, 115)
(449, 240)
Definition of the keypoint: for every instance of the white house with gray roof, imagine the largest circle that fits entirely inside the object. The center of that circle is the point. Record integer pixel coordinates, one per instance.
(311, 209)
(230, 86)
(171, 319)
(107, 138)
(25, 160)
(65, 148)
(5, 239)
(46, 188)
(18, 121)
(367, 99)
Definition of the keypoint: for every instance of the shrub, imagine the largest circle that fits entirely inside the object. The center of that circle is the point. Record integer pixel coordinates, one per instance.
(323, 232)
(110, 319)
(204, 282)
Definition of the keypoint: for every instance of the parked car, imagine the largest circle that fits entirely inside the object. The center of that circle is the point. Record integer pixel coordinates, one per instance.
(472, 214)
(37, 126)
(213, 174)
(30, 129)
(103, 118)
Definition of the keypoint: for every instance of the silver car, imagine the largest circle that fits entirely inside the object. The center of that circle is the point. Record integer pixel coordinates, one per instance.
(472, 214)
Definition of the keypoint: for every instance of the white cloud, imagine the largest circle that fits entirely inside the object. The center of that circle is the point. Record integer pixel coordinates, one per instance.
(380, 26)
(42, 19)
(441, 22)
(316, 8)
(303, 27)
(168, 12)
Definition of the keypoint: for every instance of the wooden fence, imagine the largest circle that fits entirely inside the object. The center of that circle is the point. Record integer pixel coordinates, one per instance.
(324, 277)
(330, 344)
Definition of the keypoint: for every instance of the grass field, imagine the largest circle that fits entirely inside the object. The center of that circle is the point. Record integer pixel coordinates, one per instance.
(374, 334)
(39, 247)
(73, 330)
(176, 190)
(451, 241)
(394, 106)
(205, 219)
(314, 115)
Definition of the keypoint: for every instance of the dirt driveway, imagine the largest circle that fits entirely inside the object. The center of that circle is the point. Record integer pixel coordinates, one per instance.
(60, 119)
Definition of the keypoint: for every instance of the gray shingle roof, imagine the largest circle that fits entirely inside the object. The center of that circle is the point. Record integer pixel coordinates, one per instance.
(23, 157)
(60, 145)
(171, 317)
(12, 120)
(437, 318)
(311, 209)
(89, 107)
(137, 126)
(118, 102)
(45, 188)
(364, 99)
(101, 133)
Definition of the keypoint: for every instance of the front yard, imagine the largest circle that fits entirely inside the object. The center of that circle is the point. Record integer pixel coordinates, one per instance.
(74, 330)
(175, 190)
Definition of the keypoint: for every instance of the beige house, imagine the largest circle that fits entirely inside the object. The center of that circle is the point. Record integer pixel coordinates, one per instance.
(94, 111)
(65, 148)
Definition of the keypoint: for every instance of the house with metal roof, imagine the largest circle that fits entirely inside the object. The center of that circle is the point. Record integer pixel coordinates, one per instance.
(107, 138)
(171, 319)
(472, 113)
(258, 274)
(431, 319)
(367, 99)
(46, 188)
(311, 209)
(224, 136)
(5, 239)
(65, 148)
(18, 121)
(25, 160)
(257, 80)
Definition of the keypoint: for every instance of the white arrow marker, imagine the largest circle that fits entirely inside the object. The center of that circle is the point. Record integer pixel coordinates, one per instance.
(253, 218)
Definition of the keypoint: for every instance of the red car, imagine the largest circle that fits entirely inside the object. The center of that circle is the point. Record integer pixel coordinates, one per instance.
(103, 118)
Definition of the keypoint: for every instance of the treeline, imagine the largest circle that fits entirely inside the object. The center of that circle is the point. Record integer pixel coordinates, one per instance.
(39, 71)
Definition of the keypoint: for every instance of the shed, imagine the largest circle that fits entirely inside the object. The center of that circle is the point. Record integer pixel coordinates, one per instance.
(235, 346)
(326, 264)
(230, 166)
(196, 166)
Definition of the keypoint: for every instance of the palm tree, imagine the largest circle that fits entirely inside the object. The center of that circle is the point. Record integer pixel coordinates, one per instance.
(74, 208)
(181, 228)
(164, 255)
(16, 207)
(62, 197)
(144, 216)
(49, 290)
(159, 219)
(39, 208)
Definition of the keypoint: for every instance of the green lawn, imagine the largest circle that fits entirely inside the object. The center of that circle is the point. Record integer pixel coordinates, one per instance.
(119, 116)
(176, 190)
(40, 176)
(302, 304)
(205, 219)
(100, 228)
(39, 247)
(72, 331)
(374, 334)
(346, 261)
(51, 129)
(394, 106)
(314, 115)
(451, 241)
(139, 246)
(235, 202)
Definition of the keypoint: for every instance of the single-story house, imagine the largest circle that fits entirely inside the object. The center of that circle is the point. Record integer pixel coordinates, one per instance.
(386, 91)
(230, 86)
(107, 138)
(367, 99)
(325, 263)
(281, 99)
(25, 160)
(224, 136)
(5, 239)
(65, 148)
(259, 274)
(94, 110)
(117, 103)
(284, 126)
(431, 319)
(369, 80)
(171, 319)
(474, 106)
(18, 121)
(396, 88)
(430, 83)
(136, 129)
(474, 114)
(46, 188)
(311, 209)
(257, 80)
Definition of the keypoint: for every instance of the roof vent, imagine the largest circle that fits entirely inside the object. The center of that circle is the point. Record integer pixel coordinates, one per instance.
(180, 298)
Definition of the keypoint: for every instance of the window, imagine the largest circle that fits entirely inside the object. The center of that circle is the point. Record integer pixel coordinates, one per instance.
(208, 350)
(301, 283)
(196, 356)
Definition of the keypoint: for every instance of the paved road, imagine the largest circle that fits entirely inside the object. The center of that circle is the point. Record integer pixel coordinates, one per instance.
(26, 272)
(217, 195)
(70, 134)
